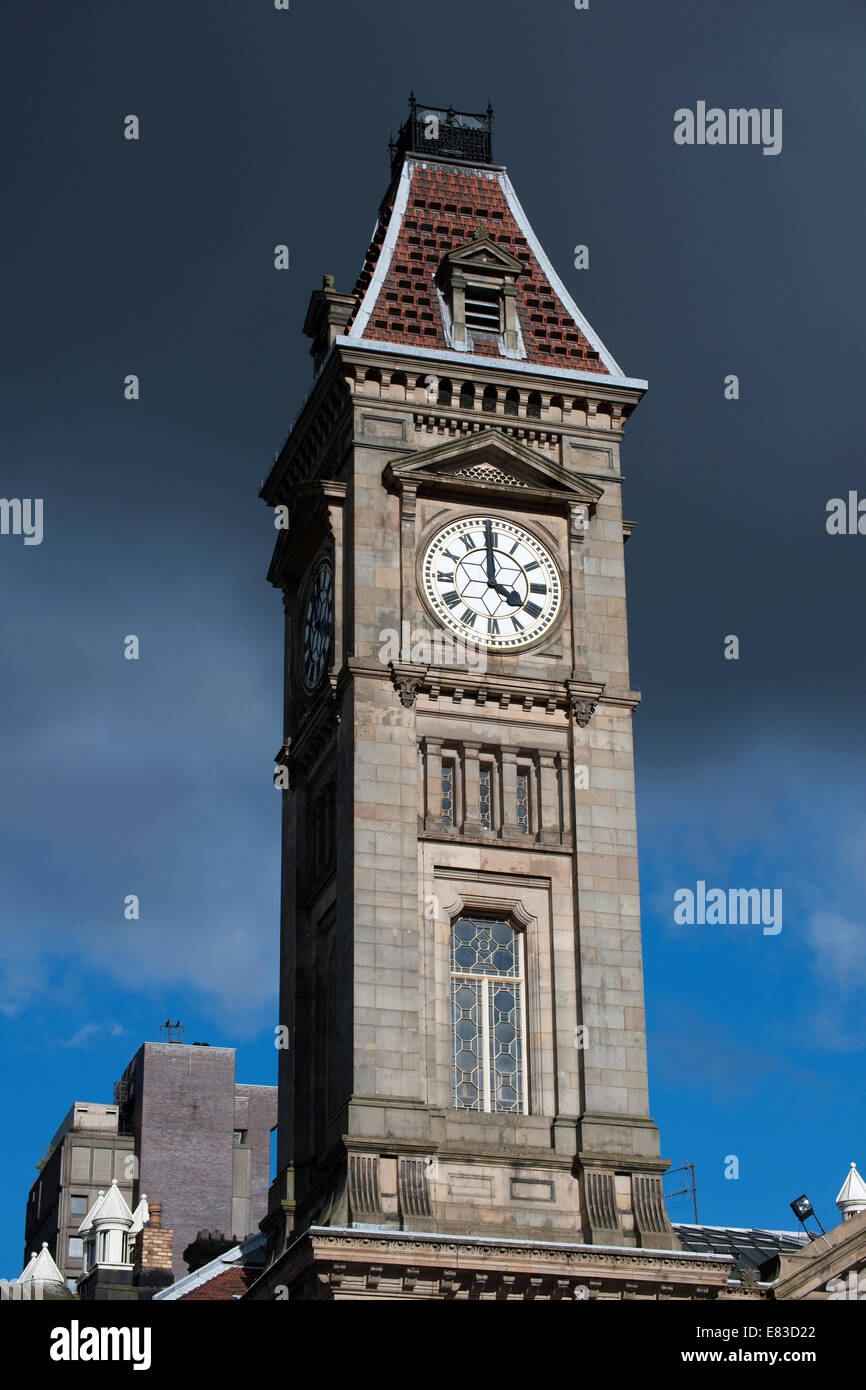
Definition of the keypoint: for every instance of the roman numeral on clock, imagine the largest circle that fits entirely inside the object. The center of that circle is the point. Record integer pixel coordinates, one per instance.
(532, 609)
(468, 617)
(538, 588)
(451, 598)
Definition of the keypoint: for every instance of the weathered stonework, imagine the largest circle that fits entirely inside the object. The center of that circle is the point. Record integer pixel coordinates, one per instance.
(381, 458)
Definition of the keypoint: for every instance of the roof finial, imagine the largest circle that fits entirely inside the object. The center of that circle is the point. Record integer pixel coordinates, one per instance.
(852, 1198)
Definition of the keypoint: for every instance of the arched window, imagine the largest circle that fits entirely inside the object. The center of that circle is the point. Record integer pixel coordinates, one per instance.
(444, 391)
(488, 400)
(512, 401)
(533, 406)
(467, 396)
(487, 1010)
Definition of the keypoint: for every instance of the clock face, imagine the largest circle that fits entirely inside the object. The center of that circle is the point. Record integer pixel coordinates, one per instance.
(492, 582)
(318, 622)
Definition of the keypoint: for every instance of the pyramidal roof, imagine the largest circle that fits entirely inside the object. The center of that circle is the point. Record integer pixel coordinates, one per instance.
(434, 207)
(852, 1197)
(140, 1216)
(41, 1268)
(109, 1206)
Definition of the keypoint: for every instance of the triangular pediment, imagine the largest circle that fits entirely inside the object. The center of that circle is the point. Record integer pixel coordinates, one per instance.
(482, 253)
(488, 460)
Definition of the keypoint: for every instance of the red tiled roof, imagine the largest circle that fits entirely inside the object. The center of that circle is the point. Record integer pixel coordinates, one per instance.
(446, 205)
(231, 1283)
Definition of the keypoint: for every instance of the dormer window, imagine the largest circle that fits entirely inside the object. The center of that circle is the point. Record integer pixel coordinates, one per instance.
(478, 284)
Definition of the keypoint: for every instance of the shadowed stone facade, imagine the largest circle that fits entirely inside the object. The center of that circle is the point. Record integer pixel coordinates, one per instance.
(427, 785)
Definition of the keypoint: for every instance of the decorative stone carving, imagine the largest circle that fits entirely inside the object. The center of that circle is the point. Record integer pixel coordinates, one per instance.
(486, 473)
(601, 1201)
(649, 1206)
(582, 709)
(407, 683)
(363, 1185)
(412, 1189)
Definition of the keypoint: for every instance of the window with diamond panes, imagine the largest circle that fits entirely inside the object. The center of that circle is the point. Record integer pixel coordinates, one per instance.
(488, 1030)
(486, 797)
(523, 801)
(448, 793)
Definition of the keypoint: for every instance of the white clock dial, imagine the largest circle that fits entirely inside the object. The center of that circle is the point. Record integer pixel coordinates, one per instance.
(318, 624)
(491, 581)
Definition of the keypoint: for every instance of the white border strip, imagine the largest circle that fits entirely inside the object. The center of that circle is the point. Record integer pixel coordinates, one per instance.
(523, 223)
(502, 363)
(383, 265)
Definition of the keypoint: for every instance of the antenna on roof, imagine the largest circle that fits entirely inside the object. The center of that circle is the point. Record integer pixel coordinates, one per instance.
(172, 1032)
(685, 1191)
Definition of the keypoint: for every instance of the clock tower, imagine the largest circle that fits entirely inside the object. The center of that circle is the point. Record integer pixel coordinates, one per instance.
(461, 992)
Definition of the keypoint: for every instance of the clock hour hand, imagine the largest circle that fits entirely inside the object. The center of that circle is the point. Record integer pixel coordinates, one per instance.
(508, 594)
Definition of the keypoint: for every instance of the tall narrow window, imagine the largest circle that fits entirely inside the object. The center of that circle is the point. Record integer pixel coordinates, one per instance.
(486, 796)
(488, 1030)
(523, 801)
(448, 792)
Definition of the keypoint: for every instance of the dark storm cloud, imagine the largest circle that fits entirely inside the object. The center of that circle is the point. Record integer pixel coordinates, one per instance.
(156, 258)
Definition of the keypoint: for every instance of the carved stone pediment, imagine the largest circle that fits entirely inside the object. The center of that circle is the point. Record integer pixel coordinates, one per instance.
(482, 254)
(489, 462)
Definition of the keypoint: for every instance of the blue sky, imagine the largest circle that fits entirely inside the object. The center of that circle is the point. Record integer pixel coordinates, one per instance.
(154, 777)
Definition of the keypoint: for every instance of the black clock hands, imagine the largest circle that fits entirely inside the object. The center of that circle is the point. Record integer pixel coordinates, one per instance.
(492, 581)
(491, 562)
(508, 594)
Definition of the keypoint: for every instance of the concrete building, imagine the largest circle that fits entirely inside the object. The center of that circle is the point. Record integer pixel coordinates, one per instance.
(182, 1130)
(88, 1152)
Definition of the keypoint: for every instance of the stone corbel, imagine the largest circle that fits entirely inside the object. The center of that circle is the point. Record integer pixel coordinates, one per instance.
(408, 680)
(581, 709)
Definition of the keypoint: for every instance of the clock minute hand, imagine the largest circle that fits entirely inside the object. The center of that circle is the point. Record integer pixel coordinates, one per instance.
(491, 563)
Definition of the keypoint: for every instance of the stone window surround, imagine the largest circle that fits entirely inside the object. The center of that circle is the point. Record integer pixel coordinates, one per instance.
(461, 897)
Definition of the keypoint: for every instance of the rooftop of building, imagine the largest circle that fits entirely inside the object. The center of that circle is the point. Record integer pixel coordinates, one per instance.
(445, 193)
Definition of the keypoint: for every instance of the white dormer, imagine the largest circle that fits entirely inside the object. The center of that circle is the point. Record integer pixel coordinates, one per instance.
(108, 1230)
(852, 1198)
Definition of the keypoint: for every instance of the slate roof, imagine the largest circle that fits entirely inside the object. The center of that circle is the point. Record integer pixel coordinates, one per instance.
(751, 1247)
(433, 208)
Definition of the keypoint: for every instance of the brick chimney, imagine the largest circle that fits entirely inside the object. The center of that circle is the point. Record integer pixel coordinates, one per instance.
(151, 1260)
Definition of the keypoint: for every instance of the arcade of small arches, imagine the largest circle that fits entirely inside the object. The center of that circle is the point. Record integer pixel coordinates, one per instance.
(515, 402)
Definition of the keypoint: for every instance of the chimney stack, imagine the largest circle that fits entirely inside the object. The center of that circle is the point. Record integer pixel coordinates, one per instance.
(151, 1261)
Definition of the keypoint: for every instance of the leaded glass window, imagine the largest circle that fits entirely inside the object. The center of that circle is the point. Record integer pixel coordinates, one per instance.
(448, 793)
(523, 801)
(487, 797)
(488, 1029)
